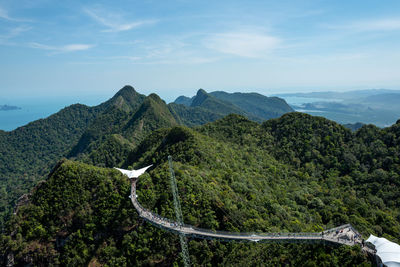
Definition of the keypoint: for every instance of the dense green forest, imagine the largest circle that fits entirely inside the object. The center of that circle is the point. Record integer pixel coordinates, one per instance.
(27, 153)
(253, 105)
(102, 135)
(295, 173)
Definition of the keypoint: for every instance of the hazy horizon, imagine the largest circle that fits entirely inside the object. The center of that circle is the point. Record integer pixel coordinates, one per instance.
(95, 99)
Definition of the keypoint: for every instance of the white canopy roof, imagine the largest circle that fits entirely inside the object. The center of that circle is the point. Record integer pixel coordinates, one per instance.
(134, 173)
(388, 251)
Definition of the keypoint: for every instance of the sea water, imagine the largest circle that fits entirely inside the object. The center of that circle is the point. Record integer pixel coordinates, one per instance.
(298, 101)
(32, 109)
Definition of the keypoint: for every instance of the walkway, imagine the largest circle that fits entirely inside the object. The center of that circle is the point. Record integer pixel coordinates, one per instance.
(345, 234)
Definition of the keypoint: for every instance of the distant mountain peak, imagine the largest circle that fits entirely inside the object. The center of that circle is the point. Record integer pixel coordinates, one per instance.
(255, 106)
(153, 113)
(200, 97)
(127, 99)
(201, 91)
(126, 90)
(155, 97)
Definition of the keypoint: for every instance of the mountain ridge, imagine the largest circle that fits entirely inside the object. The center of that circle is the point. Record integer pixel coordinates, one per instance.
(253, 105)
(28, 152)
(289, 174)
(231, 176)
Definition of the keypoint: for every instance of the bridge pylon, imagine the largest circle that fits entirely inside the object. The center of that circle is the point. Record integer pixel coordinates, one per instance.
(178, 214)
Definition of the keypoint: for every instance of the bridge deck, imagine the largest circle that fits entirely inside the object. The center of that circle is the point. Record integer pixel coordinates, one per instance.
(345, 234)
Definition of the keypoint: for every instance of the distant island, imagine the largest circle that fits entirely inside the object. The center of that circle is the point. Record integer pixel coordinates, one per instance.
(7, 107)
(371, 106)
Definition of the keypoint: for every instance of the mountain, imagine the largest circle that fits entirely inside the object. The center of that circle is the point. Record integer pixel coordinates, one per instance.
(184, 100)
(254, 106)
(257, 104)
(121, 129)
(384, 100)
(28, 153)
(126, 99)
(296, 173)
(102, 135)
(291, 174)
(204, 108)
(208, 102)
(152, 114)
(354, 126)
(115, 112)
(354, 94)
(192, 116)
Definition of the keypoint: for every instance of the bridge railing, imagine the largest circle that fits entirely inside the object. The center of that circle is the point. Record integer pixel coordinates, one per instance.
(253, 234)
(151, 215)
(338, 228)
(190, 229)
(173, 224)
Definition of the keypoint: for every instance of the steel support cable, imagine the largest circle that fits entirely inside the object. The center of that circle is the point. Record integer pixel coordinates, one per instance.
(178, 213)
(238, 224)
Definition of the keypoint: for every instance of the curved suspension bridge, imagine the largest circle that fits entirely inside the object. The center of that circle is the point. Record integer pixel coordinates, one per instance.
(342, 235)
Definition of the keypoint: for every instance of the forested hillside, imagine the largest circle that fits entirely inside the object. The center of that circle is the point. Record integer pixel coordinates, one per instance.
(28, 153)
(102, 135)
(257, 104)
(254, 106)
(296, 173)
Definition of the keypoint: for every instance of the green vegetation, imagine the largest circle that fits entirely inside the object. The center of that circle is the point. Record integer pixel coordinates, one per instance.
(257, 104)
(79, 212)
(209, 102)
(353, 126)
(117, 111)
(115, 132)
(29, 152)
(254, 106)
(192, 116)
(103, 135)
(296, 173)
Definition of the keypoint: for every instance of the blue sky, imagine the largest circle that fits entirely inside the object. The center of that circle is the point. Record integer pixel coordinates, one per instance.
(93, 48)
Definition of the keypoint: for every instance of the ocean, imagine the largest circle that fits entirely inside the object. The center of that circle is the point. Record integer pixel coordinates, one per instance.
(39, 108)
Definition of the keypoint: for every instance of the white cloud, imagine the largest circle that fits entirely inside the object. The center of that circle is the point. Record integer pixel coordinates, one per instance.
(113, 21)
(14, 32)
(389, 24)
(5, 16)
(63, 48)
(131, 58)
(189, 60)
(243, 44)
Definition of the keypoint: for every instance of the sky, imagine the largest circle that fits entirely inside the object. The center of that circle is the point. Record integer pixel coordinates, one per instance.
(93, 48)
